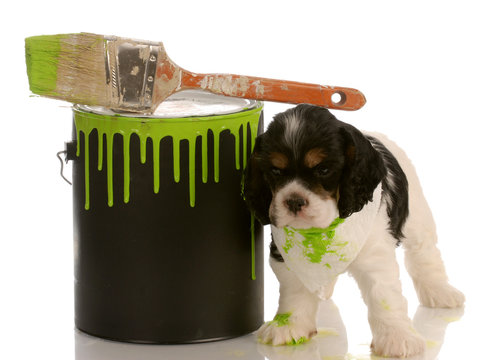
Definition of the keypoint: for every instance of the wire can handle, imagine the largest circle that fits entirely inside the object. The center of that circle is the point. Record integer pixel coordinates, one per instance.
(69, 154)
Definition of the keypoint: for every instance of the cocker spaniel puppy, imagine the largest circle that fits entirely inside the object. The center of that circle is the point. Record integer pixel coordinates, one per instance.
(341, 200)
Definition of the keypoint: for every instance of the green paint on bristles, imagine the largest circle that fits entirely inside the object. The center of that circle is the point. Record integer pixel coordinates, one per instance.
(42, 58)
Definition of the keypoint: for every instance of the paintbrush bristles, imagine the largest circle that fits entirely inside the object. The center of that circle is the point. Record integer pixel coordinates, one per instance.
(69, 67)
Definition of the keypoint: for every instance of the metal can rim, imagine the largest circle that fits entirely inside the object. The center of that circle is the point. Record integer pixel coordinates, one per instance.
(183, 105)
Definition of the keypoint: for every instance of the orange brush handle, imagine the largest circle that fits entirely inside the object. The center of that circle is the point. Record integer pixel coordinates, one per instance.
(275, 90)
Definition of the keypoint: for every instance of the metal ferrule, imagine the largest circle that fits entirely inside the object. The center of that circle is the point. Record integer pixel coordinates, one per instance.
(130, 73)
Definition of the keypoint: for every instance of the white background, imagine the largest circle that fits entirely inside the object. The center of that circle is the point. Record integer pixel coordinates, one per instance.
(421, 65)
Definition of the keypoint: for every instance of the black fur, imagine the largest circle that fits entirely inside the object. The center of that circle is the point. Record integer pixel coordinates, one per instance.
(363, 171)
(256, 192)
(274, 253)
(355, 167)
(395, 190)
(259, 180)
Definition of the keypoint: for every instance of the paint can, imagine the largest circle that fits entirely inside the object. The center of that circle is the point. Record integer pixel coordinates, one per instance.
(166, 251)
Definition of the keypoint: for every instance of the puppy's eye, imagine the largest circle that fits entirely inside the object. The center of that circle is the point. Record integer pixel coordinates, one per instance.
(276, 171)
(322, 171)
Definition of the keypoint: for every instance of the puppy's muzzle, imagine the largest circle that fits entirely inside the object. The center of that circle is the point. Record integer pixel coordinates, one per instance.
(295, 203)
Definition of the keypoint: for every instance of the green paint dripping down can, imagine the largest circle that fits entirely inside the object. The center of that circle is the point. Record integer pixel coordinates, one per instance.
(166, 251)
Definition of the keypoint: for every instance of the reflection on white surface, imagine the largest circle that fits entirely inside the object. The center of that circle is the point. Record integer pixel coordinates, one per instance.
(91, 348)
(330, 343)
(432, 324)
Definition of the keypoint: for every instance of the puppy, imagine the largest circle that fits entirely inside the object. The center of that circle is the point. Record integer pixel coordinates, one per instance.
(341, 200)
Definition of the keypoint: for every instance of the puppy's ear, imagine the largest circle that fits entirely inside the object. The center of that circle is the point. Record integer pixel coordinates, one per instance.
(256, 192)
(363, 171)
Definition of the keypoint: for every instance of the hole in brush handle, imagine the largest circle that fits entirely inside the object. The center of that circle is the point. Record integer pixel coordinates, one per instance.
(338, 98)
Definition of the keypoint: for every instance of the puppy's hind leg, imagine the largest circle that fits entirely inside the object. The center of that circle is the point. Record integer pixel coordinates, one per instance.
(424, 264)
(377, 273)
(295, 321)
(423, 259)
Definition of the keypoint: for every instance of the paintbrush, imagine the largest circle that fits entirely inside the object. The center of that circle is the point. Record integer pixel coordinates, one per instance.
(136, 76)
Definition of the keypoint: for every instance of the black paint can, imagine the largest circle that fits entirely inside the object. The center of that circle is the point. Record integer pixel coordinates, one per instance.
(166, 251)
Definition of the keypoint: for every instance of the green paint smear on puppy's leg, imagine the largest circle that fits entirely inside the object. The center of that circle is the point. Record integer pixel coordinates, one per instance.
(299, 341)
(385, 305)
(281, 319)
(284, 320)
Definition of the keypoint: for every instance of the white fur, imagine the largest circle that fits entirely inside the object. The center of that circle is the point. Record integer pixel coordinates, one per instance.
(296, 299)
(292, 133)
(375, 268)
(319, 212)
(353, 231)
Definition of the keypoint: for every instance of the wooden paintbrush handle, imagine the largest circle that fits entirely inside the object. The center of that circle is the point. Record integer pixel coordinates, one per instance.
(332, 97)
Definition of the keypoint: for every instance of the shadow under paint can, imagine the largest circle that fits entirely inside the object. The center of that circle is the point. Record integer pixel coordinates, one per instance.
(166, 251)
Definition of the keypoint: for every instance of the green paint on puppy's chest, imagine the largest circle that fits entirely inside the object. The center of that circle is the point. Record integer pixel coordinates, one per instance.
(315, 243)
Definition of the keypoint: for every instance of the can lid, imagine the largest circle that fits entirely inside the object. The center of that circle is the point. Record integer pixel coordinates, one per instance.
(187, 103)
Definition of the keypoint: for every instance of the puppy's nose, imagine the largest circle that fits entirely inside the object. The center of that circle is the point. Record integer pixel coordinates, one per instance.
(295, 203)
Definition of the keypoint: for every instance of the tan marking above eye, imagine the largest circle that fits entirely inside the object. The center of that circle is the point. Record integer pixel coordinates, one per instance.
(279, 160)
(314, 157)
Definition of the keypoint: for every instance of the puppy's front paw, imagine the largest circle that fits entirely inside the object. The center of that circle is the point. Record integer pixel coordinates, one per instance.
(286, 330)
(440, 295)
(398, 343)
